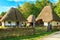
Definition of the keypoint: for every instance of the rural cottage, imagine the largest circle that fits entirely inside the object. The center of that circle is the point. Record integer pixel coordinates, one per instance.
(30, 21)
(12, 18)
(48, 17)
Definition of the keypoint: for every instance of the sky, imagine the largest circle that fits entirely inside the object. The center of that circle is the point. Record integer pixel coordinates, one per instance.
(5, 5)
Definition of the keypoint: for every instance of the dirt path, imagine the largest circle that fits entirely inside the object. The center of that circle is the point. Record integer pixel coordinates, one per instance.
(55, 36)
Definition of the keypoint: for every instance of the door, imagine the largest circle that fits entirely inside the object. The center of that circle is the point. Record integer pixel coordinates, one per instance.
(17, 23)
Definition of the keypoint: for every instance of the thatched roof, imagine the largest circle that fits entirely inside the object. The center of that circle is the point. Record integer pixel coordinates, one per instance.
(47, 14)
(31, 18)
(13, 15)
(1, 17)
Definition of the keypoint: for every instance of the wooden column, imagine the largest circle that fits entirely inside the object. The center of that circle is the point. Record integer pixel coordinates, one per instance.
(49, 28)
(34, 21)
(33, 24)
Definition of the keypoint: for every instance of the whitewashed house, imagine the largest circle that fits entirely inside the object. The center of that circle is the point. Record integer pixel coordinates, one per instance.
(12, 18)
(48, 17)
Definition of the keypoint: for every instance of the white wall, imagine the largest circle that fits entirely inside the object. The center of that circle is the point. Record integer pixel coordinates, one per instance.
(59, 23)
(13, 23)
(54, 23)
(45, 23)
(8, 24)
(2, 23)
(22, 23)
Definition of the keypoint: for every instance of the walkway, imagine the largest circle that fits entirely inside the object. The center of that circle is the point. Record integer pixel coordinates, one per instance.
(55, 36)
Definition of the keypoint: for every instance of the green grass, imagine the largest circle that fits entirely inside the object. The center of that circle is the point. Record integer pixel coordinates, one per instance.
(40, 32)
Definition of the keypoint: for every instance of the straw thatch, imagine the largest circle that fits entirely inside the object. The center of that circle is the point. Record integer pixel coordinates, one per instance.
(47, 14)
(31, 18)
(0, 21)
(13, 15)
(0, 17)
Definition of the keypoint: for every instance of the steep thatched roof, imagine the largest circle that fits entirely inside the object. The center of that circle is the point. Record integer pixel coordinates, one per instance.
(0, 17)
(47, 14)
(13, 15)
(31, 18)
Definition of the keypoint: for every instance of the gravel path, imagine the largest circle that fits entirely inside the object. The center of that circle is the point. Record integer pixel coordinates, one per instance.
(55, 36)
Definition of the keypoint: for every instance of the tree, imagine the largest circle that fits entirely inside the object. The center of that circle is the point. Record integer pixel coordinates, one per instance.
(28, 9)
(57, 8)
(33, 8)
(40, 4)
(46, 2)
(3, 13)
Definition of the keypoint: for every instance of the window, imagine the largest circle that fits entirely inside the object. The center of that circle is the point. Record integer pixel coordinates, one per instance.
(9, 22)
(31, 23)
(17, 23)
(57, 23)
(41, 22)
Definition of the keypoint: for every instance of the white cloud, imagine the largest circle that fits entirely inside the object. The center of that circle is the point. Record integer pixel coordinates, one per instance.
(21, 0)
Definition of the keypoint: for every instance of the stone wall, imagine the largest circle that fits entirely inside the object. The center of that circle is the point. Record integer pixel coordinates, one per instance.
(16, 32)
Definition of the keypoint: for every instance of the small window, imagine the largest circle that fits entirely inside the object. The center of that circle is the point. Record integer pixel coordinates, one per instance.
(17, 23)
(9, 22)
(57, 23)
